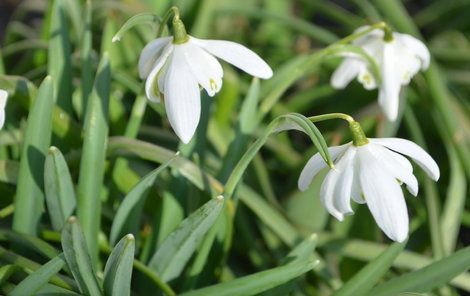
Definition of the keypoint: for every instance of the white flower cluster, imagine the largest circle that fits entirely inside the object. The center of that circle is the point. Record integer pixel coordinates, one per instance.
(370, 172)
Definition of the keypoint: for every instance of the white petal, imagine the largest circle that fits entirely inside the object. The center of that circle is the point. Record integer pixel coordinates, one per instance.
(384, 197)
(150, 54)
(346, 72)
(391, 83)
(205, 68)
(182, 97)
(3, 103)
(237, 55)
(2, 118)
(342, 193)
(315, 164)
(152, 85)
(417, 47)
(356, 190)
(408, 148)
(383, 156)
(326, 194)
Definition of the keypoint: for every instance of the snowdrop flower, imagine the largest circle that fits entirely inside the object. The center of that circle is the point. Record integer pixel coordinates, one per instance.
(176, 66)
(398, 56)
(371, 171)
(3, 103)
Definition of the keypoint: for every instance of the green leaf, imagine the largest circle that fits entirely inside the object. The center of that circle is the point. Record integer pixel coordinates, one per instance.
(31, 284)
(135, 197)
(86, 58)
(60, 195)
(59, 56)
(6, 271)
(292, 121)
(368, 276)
(139, 19)
(178, 247)
(93, 157)
(29, 201)
(258, 282)
(118, 270)
(121, 146)
(29, 242)
(428, 278)
(78, 259)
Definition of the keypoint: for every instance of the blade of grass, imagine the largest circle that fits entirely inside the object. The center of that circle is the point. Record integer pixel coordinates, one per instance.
(29, 201)
(368, 276)
(428, 278)
(78, 258)
(118, 270)
(178, 247)
(59, 56)
(258, 282)
(36, 280)
(133, 198)
(93, 157)
(60, 194)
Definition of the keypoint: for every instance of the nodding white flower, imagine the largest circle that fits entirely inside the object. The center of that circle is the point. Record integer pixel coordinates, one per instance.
(3, 103)
(174, 72)
(372, 174)
(398, 59)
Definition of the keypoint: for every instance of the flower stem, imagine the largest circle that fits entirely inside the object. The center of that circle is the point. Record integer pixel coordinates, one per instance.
(179, 31)
(347, 39)
(329, 116)
(359, 138)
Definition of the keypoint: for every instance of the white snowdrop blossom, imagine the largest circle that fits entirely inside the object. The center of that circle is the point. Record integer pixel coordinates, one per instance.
(398, 59)
(3, 103)
(371, 174)
(175, 71)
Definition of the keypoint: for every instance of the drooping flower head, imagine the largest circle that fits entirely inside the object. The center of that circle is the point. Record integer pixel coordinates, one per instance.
(3, 103)
(174, 68)
(398, 56)
(371, 171)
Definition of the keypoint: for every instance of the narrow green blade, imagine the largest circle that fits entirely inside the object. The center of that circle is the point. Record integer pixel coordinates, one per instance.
(31, 284)
(178, 247)
(29, 202)
(118, 270)
(78, 259)
(258, 282)
(60, 195)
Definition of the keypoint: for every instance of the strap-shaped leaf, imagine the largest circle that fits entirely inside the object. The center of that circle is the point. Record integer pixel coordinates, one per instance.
(178, 247)
(32, 283)
(58, 186)
(365, 279)
(258, 282)
(118, 270)
(135, 197)
(59, 64)
(91, 175)
(29, 201)
(78, 259)
(428, 278)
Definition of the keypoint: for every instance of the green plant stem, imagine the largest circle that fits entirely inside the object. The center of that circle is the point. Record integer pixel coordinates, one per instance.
(329, 116)
(154, 277)
(173, 11)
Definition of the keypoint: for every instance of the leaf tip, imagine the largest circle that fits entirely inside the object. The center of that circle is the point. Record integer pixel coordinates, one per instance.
(72, 220)
(130, 237)
(53, 150)
(115, 39)
(220, 197)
